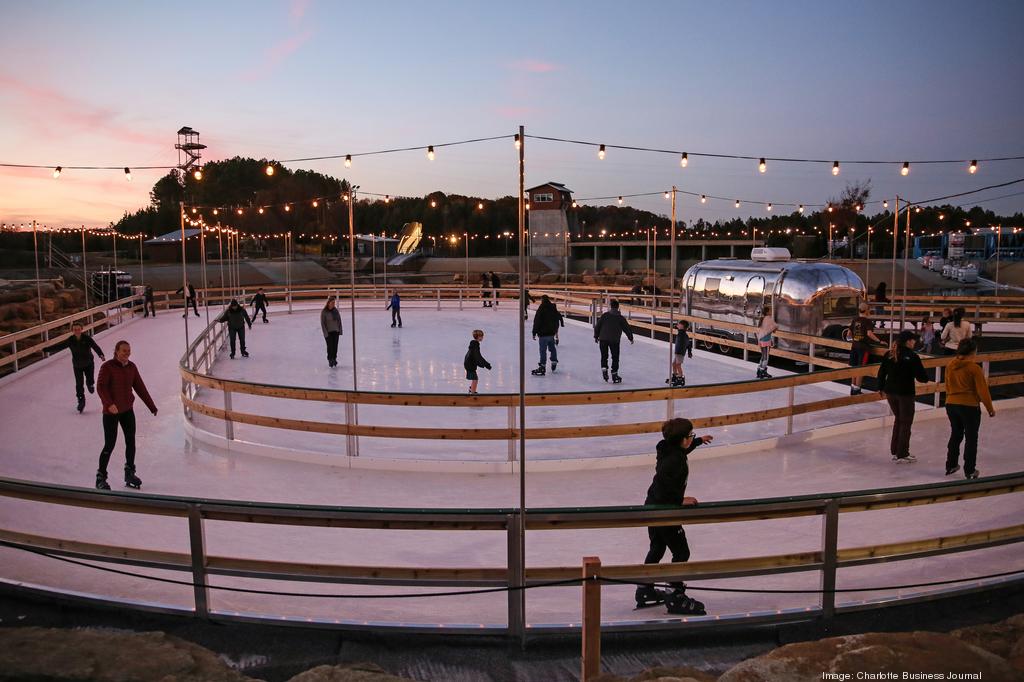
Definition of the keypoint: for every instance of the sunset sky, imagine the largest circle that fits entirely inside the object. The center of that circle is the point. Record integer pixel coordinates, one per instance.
(110, 83)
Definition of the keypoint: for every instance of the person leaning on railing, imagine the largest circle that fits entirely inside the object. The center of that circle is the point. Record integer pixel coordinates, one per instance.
(965, 389)
(900, 367)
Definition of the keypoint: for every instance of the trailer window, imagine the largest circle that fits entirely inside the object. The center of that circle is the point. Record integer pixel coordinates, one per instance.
(840, 306)
(711, 287)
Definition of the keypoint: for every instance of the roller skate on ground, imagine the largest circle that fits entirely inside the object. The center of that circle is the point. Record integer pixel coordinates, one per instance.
(540, 371)
(101, 481)
(130, 479)
(651, 595)
(616, 379)
(604, 373)
(679, 604)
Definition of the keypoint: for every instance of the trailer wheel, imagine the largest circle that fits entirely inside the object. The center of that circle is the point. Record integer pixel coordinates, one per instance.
(724, 349)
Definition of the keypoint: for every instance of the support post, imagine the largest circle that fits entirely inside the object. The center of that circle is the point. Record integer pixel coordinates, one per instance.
(14, 352)
(810, 362)
(197, 547)
(829, 559)
(591, 623)
(789, 416)
(516, 597)
(938, 380)
(229, 426)
(511, 438)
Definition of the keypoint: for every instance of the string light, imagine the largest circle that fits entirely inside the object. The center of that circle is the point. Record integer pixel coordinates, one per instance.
(801, 209)
(316, 203)
(830, 208)
(761, 165)
(56, 172)
(620, 201)
(128, 174)
(215, 211)
(835, 168)
(973, 168)
(885, 203)
(737, 203)
(600, 153)
(769, 207)
(906, 168)
(518, 143)
(480, 205)
(430, 153)
(239, 211)
(269, 169)
(433, 203)
(387, 198)
(575, 205)
(198, 174)
(194, 210)
(684, 160)
(666, 195)
(703, 199)
(287, 208)
(261, 210)
(348, 161)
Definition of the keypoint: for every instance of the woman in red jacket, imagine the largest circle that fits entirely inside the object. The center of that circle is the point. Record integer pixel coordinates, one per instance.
(117, 385)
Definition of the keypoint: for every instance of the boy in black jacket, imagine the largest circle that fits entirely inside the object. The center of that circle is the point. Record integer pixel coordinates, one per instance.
(546, 321)
(259, 305)
(82, 347)
(474, 359)
(669, 488)
(607, 333)
(236, 318)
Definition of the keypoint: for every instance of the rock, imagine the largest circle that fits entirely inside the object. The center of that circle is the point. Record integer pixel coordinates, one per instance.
(1005, 639)
(102, 655)
(912, 652)
(660, 674)
(351, 672)
(16, 296)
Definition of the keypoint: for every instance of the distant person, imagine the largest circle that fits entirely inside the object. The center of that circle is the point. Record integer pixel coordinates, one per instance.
(236, 318)
(682, 346)
(765, 331)
(956, 330)
(900, 367)
(485, 291)
(546, 322)
(117, 385)
(608, 334)
(947, 315)
(82, 347)
(928, 336)
(861, 332)
(880, 292)
(474, 360)
(668, 488)
(330, 324)
(966, 388)
(190, 297)
(259, 305)
(395, 304)
(496, 286)
(147, 302)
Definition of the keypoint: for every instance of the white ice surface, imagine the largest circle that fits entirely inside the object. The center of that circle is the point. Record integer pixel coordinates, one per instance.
(45, 440)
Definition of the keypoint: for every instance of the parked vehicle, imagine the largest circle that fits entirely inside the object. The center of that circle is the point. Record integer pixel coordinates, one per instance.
(936, 263)
(968, 274)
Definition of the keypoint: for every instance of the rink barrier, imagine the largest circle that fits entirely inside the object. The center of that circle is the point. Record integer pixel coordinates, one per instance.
(201, 563)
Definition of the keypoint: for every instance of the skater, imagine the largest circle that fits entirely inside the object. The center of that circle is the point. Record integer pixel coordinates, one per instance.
(82, 347)
(927, 335)
(764, 341)
(474, 359)
(330, 324)
(546, 322)
(236, 318)
(900, 367)
(190, 298)
(669, 488)
(860, 352)
(956, 330)
(607, 334)
(682, 346)
(259, 304)
(947, 315)
(965, 389)
(495, 286)
(147, 302)
(485, 292)
(396, 309)
(117, 385)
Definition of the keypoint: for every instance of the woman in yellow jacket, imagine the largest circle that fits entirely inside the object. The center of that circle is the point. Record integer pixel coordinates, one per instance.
(965, 389)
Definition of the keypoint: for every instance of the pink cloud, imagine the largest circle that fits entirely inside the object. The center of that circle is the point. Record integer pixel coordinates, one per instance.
(533, 66)
(297, 9)
(276, 54)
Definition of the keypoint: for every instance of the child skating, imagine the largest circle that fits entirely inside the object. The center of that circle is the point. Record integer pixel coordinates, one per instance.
(764, 341)
(474, 359)
(682, 347)
(395, 305)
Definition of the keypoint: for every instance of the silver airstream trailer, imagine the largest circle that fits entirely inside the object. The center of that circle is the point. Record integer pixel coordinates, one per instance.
(807, 297)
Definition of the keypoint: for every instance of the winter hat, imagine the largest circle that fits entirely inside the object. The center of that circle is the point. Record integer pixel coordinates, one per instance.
(905, 336)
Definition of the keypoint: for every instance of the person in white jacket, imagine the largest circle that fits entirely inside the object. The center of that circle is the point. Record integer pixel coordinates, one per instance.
(955, 331)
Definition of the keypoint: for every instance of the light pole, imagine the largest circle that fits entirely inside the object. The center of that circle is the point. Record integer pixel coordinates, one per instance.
(39, 290)
(465, 282)
(999, 236)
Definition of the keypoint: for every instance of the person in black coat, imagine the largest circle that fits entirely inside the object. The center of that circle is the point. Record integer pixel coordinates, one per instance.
(546, 322)
(259, 304)
(496, 285)
(900, 367)
(147, 302)
(668, 487)
(190, 298)
(474, 359)
(82, 347)
(236, 318)
(607, 333)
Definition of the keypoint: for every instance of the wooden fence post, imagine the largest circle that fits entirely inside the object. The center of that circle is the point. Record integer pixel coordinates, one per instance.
(591, 625)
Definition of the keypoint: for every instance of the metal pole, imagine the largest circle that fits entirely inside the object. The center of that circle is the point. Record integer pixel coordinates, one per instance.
(895, 245)
(39, 287)
(352, 278)
(184, 274)
(522, 377)
(999, 238)
(465, 282)
(288, 269)
(115, 262)
(85, 272)
(384, 234)
(906, 254)
(206, 285)
(142, 266)
(220, 251)
(672, 288)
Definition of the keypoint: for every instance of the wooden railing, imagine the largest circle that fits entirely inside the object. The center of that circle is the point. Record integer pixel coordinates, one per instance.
(202, 561)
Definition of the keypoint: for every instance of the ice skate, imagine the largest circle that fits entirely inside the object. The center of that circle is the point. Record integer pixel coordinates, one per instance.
(650, 595)
(604, 373)
(679, 604)
(973, 475)
(678, 381)
(130, 479)
(763, 374)
(909, 459)
(101, 481)
(539, 372)
(953, 469)
(554, 365)
(616, 379)
(854, 390)
(81, 405)
(245, 353)
(92, 388)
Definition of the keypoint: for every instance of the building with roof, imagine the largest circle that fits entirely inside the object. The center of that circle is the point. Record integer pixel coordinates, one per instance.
(549, 219)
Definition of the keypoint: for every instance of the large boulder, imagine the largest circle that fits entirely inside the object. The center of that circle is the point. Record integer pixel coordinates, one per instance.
(1005, 639)
(105, 655)
(899, 652)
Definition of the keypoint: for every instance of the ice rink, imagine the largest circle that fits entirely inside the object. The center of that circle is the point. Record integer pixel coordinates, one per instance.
(44, 439)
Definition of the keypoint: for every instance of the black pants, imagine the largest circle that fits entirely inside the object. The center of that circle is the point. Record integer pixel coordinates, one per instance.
(396, 314)
(110, 423)
(258, 310)
(83, 375)
(672, 538)
(332, 346)
(189, 302)
(240, 333)
(964, 422)
(612, 346)
(148, 307)
(902, 407)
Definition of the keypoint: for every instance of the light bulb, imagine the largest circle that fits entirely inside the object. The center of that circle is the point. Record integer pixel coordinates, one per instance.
(387, 198)
(198, 174)
(574, 204)
(703, 199)
(858, 207)
(348, 161)
(684, 160)
(344, 197)
(433, 204)
(315, 203)
(620, 201)
(762, 166)
(666, 195)
(128, 174)
(518, 142)
(261, 210)
(480, 206)
(600, 152)
(430, 153)
(269, 169)
(194, 209)
(885, 203)
(239, 211)
(801, 208)
(737, 203)
(287, 208)
(56, 172)
(835, 168)
(973, 168)
(215, 212)
(769, 207)
(830, 208)
(906, 168)
(527, 206)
